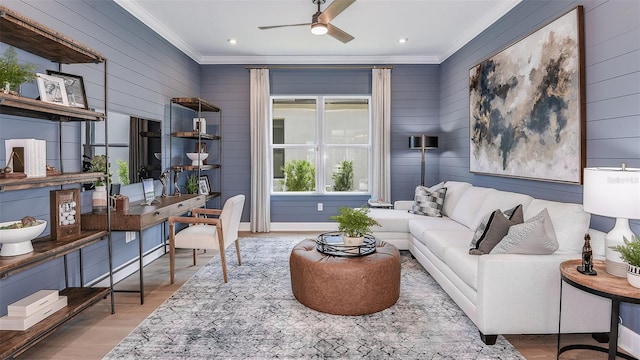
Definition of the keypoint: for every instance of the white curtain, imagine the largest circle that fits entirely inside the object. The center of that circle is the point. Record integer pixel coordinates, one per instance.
(381, 141)
(260, 156)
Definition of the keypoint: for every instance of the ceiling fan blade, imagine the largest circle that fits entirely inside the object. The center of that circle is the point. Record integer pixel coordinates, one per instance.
(338, 34)
(279, 26)
(333, 10)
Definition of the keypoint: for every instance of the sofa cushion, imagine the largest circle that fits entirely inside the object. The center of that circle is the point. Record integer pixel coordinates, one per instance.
(441, 241)
(570, 223)
(497, 227)
(534, 237)
(392, 220)
(515, 213)
(428, 201)
(455, 189)
(502, 200)
(463, 264)
(468, 207)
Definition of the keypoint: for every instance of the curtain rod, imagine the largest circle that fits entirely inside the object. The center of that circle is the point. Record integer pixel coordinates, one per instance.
(338, 67)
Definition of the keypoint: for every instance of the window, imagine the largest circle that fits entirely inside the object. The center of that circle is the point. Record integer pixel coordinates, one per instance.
(321, 144)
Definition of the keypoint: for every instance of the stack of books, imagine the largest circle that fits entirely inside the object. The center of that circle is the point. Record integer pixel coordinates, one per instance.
(32, 309)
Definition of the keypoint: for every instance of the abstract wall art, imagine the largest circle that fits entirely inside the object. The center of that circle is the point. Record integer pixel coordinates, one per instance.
(527, 106)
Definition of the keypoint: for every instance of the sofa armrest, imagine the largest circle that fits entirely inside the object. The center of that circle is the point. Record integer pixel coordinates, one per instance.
(525, 289)
(403, 204)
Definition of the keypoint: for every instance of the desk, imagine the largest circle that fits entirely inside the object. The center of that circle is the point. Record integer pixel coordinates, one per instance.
(615, 288)
(140, 217)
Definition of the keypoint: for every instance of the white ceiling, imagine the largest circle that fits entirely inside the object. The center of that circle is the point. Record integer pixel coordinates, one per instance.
(435, 29)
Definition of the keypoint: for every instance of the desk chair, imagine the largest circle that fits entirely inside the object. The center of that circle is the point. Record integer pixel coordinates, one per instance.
(207, 233)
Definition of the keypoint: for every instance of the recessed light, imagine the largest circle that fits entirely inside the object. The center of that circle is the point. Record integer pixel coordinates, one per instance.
(403, 40)
(232, 41)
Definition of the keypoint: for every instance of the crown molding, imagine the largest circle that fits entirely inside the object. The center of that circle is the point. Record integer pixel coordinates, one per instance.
(303, 60)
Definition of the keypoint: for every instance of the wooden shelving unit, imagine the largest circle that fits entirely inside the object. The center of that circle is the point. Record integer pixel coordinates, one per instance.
(31, 36)
(200, 106)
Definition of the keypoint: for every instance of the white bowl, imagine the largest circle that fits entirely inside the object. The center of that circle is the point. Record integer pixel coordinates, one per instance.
(18, 241)
(194, 158)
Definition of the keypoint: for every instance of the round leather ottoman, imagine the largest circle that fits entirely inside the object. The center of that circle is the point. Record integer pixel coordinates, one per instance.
(345, 285)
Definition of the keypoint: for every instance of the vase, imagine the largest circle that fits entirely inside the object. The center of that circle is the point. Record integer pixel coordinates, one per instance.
(99, 199)
(633, 275)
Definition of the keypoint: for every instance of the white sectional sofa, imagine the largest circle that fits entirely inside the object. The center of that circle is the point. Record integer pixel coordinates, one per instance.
(501, 293)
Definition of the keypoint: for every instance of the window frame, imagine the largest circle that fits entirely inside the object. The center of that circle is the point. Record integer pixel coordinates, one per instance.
(320, 146)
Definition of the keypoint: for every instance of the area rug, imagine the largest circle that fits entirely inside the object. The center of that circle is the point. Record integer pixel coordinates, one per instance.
(256, 316)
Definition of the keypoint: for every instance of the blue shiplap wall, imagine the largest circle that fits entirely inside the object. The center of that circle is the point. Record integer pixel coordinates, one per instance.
(144, 71)
(612, 46)
(414, 111)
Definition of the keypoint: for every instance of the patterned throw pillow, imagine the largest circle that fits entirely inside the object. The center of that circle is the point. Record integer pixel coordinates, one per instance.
(515, 214)
(534, 237)
(428, 202)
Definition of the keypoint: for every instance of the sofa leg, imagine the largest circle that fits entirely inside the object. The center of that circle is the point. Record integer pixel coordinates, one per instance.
(601, 337)
(488, 339)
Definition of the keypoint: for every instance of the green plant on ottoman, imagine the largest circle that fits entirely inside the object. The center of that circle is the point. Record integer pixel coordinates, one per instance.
(354, 224)
(630, 253)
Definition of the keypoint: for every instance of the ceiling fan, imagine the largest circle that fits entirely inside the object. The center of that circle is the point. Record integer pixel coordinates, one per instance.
(320, 20)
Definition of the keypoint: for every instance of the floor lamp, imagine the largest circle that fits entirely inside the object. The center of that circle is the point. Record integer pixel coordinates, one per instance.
(423, 143)
(613, 192)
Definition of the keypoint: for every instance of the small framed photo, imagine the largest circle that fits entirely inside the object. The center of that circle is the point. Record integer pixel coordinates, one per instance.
(203, 185)
(76, 95)
(65, 214)
(52, 89)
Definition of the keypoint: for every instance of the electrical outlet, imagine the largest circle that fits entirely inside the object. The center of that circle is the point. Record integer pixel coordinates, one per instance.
(320, 207)
(130, 236)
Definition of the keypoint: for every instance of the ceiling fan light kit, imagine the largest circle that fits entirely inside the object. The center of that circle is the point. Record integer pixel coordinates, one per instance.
(319, 29)
(320, 21)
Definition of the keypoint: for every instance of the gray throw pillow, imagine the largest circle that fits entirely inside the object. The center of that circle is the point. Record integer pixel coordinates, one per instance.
(428, 202)
(497, 227)
(534, 237)
(516, 214)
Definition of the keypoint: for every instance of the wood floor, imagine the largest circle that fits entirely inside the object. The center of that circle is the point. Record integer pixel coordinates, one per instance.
(95, 331)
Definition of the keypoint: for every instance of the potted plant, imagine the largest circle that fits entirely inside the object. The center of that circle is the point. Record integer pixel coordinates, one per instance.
(12, 74)
(354, 224)
(192, 184)
(630, 253)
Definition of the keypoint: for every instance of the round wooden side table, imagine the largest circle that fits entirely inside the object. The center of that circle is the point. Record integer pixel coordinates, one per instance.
(615, 288)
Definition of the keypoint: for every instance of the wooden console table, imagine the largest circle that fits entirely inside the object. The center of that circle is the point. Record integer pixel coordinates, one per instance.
(615, 288)
(140, 217)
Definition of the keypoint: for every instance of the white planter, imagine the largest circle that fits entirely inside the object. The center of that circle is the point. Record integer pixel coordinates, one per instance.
(352, 241)
(633, 275)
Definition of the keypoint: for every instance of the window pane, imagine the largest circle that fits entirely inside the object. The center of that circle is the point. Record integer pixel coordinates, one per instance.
(296, 169)
(346, 121)
(338, 176)
(294, 121)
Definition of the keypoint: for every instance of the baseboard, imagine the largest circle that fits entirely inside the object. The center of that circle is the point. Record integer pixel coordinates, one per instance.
(629, 341)
(128, 268)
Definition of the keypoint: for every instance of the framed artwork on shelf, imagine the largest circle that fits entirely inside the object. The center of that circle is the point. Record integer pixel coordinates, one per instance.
(203, 185)
(74, 85)
(527, 106)
(52, 89)
(65, 214)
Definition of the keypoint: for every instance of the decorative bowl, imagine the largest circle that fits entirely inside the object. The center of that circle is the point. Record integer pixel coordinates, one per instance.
(18, 241)
(194, 158)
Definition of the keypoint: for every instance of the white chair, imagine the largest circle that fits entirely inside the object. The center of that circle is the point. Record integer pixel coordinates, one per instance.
(207, 233)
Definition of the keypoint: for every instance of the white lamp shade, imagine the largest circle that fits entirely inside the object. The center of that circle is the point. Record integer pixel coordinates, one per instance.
(612, 192)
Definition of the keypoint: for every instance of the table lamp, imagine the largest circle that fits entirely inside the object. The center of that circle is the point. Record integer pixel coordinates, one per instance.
(423, 143)
(613, 192)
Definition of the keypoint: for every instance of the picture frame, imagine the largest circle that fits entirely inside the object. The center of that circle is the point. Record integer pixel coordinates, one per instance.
(527, 106)
(74, 85)
(65, 214)
(204, 187)
(52, 89)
